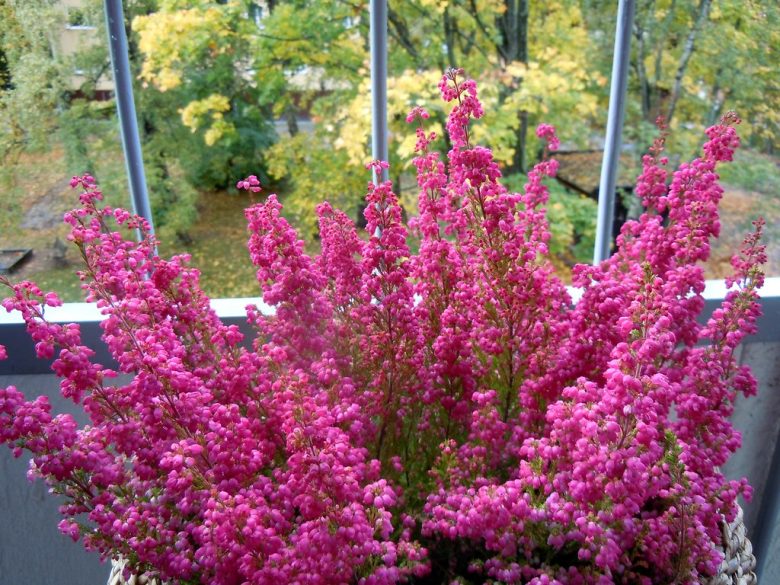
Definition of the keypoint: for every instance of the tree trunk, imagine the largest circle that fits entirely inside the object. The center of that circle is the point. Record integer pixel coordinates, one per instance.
(513, 24)
(657, 36)
(400, 31)
(718, 100)
(661, 43)
(518, 162)
(641, 30)
(690, 43)
(514, 47)
(5, 73)
(292, 120)
(449, 37)
(522, 31)
(718, 97)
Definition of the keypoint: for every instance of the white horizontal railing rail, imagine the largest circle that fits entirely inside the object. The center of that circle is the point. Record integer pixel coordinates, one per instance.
(233, 308)
(232, 311)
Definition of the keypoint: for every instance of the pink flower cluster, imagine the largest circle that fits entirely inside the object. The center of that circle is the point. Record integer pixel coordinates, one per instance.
(251, 183)
(437, 416)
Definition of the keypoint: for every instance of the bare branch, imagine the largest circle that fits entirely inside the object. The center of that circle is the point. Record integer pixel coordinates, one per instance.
(401, 33)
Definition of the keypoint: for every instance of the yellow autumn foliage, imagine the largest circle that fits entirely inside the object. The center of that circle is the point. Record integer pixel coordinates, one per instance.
(209, 110)
(405, 91)
(169, 39)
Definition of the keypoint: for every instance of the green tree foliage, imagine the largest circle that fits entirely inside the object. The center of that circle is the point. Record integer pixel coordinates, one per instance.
(233, 70)
(526, 55)
(31, 82)
(736, 69)
(525, 59)
(40, 105)
(693, 60)
(315, 175)
(229, 70)
(224, 85)
(534, 62)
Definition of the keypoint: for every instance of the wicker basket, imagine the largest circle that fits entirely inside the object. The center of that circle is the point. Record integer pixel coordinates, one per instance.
(738, 566)
(116, 578)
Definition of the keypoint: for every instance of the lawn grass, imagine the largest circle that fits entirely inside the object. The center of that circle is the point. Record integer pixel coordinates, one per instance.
(218, 246)
(218, 238)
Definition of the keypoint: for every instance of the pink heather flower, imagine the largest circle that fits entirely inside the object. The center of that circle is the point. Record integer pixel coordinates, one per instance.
(377, 166)
(547, 132)
(87, 182)
(251, 183)
(417, 112)
(651, 184)
(436, 414)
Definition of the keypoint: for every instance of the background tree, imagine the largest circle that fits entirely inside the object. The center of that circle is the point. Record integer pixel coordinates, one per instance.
(737, 69)
(233, 87)
(31, 86)
(693, 60)
(525, 78)
(40, 108)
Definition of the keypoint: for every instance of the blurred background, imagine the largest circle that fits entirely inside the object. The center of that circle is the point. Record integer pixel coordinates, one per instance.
(280, 89)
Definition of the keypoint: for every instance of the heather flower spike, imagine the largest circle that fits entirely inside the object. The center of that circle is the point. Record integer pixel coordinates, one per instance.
(443, 415)
(377, 168)
(417, 112)
(251, 183)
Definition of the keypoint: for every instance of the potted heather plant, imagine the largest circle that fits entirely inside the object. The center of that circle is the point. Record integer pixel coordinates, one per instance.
(444, 416)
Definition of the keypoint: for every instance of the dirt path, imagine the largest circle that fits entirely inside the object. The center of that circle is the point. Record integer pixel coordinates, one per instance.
(46, 212)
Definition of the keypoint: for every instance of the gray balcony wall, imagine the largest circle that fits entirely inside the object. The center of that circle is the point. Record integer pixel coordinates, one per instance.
(33, 552)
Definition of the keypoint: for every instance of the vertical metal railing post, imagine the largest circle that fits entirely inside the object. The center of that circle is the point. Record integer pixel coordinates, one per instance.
(378, 43)
(617, 108)
(128, 123)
